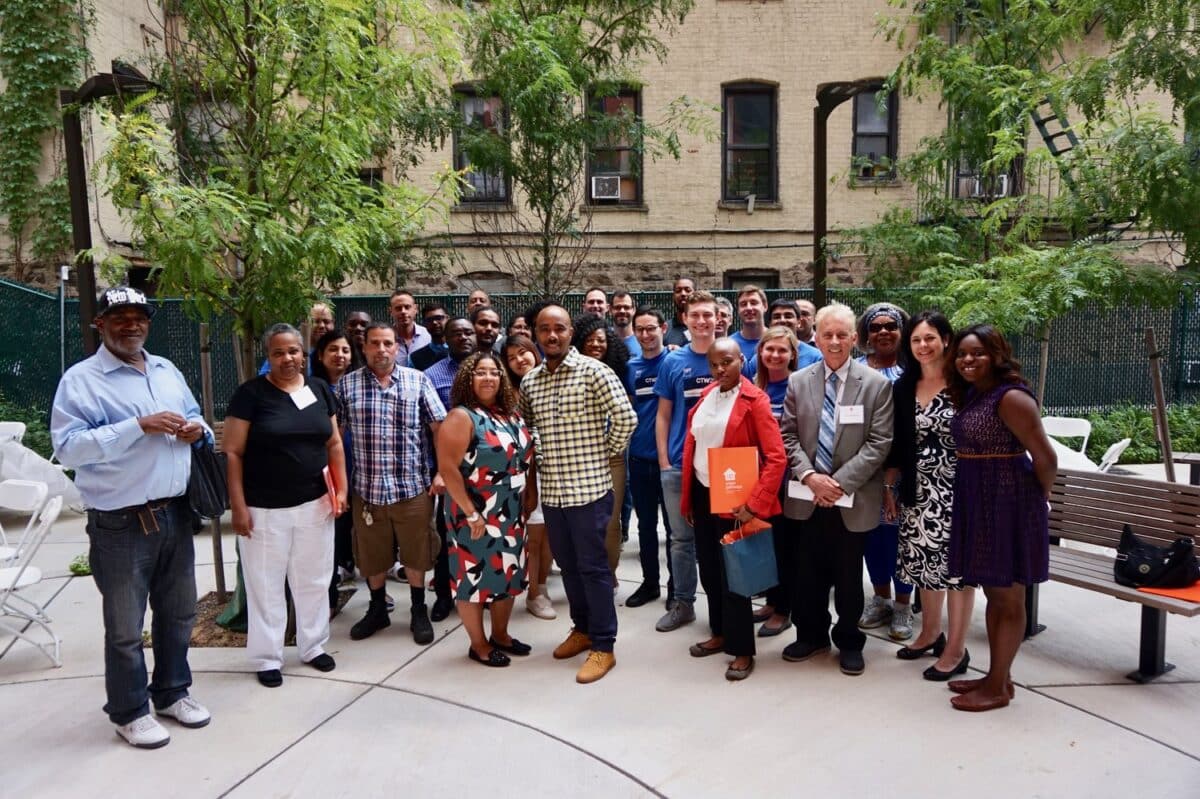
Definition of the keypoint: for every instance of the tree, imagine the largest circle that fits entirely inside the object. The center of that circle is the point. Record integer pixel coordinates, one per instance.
(549, 62)
(997, 65)
(1031, 287)
(249, 198)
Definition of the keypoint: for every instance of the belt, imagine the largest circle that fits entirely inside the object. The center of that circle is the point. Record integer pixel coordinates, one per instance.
(985, 455)
(146, 512)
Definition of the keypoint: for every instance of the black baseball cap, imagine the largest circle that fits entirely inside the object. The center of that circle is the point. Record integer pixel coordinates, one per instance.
(123, 297)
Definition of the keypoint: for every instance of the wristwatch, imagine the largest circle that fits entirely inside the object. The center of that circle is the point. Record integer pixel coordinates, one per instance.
(474, 517)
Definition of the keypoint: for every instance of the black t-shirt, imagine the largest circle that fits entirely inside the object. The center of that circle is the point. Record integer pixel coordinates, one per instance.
(285, 448)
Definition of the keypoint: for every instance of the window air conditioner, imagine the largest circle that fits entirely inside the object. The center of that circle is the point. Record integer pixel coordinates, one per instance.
(606, 187)
(998, 187)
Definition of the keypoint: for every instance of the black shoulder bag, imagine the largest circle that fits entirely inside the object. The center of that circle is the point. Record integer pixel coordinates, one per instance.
(1140, 564)
(208, 494)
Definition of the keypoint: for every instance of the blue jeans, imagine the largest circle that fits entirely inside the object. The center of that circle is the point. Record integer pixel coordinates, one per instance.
(682, 540)
(577, 541)
(646, 484)
(881, 557)
(130, 567)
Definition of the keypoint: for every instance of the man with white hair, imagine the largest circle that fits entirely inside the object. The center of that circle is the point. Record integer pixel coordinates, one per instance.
(837, 429)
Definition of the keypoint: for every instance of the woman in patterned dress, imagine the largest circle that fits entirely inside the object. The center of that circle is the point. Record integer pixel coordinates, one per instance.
(999, 536)
(921, 468)
(484, 454)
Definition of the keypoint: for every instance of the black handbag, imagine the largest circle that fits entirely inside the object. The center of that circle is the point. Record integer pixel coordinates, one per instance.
(1144, 565)
(208, 493)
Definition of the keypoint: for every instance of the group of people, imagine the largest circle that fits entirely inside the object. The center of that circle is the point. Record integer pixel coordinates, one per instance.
(483, 453)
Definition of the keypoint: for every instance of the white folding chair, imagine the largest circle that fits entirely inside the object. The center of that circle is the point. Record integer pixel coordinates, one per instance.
(22, 575)
(12, 431)
(1068, 427)
(1113, 454)
(25, 496)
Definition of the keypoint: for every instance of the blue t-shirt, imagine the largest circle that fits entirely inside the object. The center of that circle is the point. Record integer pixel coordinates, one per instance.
(892, 373)
(631, 343)
(806, 355)
(748, 345)
(776, 391)
(641, 376)
(681, 379)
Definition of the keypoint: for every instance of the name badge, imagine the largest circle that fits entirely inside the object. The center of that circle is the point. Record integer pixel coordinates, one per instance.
(850, 414)
(303, 398)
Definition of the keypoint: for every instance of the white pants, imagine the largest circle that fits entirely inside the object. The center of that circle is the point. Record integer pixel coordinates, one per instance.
(296, 543)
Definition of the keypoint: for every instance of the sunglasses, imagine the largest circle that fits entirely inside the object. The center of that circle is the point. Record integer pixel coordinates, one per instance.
(879, 327)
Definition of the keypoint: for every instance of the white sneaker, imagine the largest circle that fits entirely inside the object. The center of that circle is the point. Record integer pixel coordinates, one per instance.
(540, 607)
(188, 712)
(144, 732)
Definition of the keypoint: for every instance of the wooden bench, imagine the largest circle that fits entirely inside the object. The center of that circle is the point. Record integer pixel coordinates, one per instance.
(1093, 508)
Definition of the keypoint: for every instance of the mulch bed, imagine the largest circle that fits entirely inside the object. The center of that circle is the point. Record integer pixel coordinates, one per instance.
(207, 633)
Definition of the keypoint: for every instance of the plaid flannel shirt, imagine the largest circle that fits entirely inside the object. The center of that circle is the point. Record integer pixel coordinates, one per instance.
(579, 415)
(388, 432)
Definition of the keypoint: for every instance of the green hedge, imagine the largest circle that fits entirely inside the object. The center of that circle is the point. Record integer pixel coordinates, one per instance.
(1137, 423)
(37, 432)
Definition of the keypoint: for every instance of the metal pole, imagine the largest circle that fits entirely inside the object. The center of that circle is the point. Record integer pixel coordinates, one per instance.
(81, 226)
(1161, 428)
(820, 118)
(64, 274)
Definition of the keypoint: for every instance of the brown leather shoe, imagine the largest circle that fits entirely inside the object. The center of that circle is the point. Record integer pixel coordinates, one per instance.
(576, 643)
(596, 666)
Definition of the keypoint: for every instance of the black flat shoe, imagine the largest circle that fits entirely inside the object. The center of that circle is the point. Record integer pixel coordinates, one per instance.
(441, 609)
(702, 651)
(912, 653)
(514, 647)
(933, 674)
(495, 659)
(322, 662)
(271, 678)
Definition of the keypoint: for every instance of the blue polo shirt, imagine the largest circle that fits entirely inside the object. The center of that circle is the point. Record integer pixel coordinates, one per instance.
(682, 377)
(642, 375)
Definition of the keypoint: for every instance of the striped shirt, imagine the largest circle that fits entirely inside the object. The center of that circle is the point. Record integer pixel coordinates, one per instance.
(388, 428)
(579, 415)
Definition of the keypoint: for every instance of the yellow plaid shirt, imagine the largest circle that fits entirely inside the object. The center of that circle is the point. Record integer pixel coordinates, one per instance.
(579, 415)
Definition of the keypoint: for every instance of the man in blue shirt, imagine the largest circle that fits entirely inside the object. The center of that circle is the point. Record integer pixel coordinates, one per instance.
(622, 316)
(434, 316)
(752, 311)
(644, 476)
(681, 379)
(125, 421)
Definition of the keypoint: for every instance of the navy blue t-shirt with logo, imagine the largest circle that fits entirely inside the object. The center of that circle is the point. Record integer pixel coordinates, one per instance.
(682, 377)
(642, 375)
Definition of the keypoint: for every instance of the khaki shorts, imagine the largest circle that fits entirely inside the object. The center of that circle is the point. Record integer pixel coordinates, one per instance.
(406, 525)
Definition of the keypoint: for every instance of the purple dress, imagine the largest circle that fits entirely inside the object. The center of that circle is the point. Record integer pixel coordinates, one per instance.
(998, 530)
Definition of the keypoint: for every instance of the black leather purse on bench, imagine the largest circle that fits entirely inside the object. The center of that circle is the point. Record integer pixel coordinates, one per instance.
(1142, 565)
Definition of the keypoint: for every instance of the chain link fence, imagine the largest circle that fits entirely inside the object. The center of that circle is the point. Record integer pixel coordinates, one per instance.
(1097, 357)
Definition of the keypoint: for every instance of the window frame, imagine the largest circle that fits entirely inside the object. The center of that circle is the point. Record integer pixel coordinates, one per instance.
(729, 90)
(639, 174)
(893, 135)
(464, 92)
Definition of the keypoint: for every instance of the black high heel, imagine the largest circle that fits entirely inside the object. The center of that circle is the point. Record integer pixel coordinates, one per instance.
(932, 673)
(911, 653)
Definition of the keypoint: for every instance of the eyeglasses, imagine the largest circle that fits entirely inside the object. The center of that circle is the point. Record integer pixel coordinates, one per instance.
(879, 327)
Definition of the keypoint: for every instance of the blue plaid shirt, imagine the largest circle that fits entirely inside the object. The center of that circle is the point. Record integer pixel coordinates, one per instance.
(388, 428)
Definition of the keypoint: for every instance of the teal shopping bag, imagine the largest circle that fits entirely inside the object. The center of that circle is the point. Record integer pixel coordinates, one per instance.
(750, 561)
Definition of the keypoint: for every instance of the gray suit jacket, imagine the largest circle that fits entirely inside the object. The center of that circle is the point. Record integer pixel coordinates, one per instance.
(858, 449)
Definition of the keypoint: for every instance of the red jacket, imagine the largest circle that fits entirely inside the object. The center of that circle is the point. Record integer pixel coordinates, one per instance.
(751, 424)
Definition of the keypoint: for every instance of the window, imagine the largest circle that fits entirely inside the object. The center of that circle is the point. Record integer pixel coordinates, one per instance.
(748, 155)
(874, 149)
(614, 168)
(479, 114)
(735, 279)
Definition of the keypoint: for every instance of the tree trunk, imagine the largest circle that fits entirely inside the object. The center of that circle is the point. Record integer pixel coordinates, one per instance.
(1044, 356)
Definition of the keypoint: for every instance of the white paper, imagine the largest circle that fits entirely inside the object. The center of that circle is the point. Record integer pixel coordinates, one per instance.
(850, 414)
(798, 490)
(303, 398)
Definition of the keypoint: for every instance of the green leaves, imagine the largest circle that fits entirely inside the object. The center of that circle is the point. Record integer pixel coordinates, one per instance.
(40, 51)
(247, 193)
